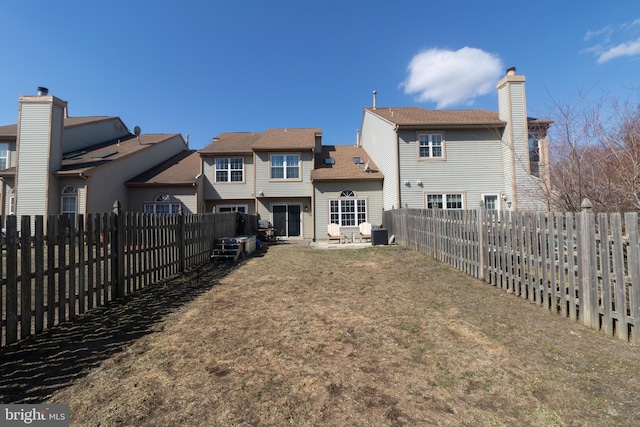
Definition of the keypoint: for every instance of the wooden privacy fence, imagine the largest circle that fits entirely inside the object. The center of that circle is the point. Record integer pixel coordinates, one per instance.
(583, 266)
(53, 271)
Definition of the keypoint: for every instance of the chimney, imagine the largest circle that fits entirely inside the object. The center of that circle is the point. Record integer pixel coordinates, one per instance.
(512, 109)
(375, 98)
(43, 91)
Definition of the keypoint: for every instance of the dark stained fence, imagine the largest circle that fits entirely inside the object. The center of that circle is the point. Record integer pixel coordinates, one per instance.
(55, 270)
(585, 266)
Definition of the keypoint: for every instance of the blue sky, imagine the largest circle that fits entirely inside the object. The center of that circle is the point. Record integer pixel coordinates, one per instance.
(206, 67)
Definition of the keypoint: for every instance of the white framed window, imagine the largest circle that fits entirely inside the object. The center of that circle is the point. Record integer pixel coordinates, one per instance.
(444, 201)
(491, 201)
(431, 146)
(162, 205)
(4, 155)
(232, 208)
(69, 203)
(348, 210)
(12, 202)
(285, 166)
(229, 169)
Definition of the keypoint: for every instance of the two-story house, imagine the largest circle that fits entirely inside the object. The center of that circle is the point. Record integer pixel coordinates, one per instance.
(266, 173)
(54, 164)
(461, 159)
(347, 189)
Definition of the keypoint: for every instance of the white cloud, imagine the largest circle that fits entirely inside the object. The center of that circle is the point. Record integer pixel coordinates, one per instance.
(450, 78)
(613, 42)
(631, 48)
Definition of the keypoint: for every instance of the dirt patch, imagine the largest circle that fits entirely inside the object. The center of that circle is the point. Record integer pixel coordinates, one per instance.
(381, 336)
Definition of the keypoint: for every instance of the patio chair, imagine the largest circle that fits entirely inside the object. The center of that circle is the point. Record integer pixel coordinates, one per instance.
(333, 233)
(365, 231)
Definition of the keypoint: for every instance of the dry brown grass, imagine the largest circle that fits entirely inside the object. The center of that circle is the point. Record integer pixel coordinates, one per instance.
(373, 337)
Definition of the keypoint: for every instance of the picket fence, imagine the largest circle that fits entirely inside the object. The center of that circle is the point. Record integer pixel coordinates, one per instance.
(583, 266)
(54, 270)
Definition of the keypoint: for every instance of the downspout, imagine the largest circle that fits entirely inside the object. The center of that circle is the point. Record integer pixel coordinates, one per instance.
(255, 194)
(312, 208)
(197, 187)
(399, 188)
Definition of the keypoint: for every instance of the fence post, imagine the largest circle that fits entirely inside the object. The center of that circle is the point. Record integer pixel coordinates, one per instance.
(11, 310)
(117, 243)
(481, 242)
(182, 241)
(405, 229)
(588, 279)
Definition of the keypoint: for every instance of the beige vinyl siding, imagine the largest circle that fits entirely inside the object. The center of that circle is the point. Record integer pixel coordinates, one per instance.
(228, 190)
(106, 184)
(83, 136)
(264, 210)
(39, 140)
(284, 188)
(520, 130)
(473, 166)
(504, 105)
(186, 195)
(379, 140)
(371, 190)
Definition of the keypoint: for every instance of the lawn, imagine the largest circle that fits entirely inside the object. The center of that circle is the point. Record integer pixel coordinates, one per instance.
(381, 336)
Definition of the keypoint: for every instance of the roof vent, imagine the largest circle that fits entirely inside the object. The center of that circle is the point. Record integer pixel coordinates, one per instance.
(42, 91)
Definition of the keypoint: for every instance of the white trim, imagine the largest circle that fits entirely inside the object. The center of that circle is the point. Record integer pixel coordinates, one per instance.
(228, 170)
(496, 195)
(234, 207)
(284, 167)
(444, 198)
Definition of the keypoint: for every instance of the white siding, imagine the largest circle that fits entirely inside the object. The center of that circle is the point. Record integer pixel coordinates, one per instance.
(378, 139)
